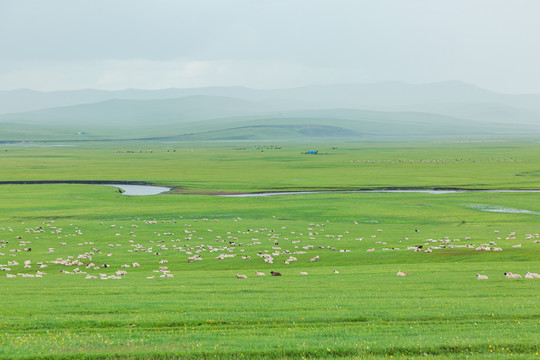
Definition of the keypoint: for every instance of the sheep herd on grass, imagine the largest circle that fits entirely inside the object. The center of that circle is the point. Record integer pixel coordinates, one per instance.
(191, 244)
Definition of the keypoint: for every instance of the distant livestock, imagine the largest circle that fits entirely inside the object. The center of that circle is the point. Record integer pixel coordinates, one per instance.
(509, 275)
(481, 277)
(274, 273)
(401, 273)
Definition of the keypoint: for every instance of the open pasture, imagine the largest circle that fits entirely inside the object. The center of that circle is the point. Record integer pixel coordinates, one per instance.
(264, 166)
(169, 307)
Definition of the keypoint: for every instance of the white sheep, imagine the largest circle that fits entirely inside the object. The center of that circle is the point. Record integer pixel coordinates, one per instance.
(257, 273)
(509, 275)
(401, 273)
(529, 275)
(481, 277)
(238, 276)
(303, 273)
(194, 258)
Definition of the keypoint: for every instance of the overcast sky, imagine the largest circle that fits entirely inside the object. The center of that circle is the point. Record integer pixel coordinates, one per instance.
(117, 44)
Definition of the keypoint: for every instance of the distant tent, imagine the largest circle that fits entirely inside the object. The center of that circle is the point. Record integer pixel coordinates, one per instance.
(313, 151)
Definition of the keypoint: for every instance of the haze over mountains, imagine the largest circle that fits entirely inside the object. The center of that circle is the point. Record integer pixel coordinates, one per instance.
(221, 113)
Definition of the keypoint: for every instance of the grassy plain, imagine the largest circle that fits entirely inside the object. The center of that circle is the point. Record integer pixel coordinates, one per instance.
(441, 311)
(258, 166)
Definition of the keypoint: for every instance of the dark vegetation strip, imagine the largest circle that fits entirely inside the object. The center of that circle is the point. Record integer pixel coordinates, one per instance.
(80, 182)
(304, 324)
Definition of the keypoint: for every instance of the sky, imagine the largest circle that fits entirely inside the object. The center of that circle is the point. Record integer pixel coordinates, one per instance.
(117, 44)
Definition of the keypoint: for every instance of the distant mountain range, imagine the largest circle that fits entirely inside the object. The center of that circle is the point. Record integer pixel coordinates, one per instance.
(343, 110)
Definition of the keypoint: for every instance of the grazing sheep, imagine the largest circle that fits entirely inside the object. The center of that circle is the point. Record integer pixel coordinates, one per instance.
(509, 275)
(481, 277)
(516, 246)
(529, 275)
(401, 273)
(241, 276)
(336, 272)
(370, 250)
(273, 273)
(194, 258)
(303, 273)
(257, 273)
(316, 258)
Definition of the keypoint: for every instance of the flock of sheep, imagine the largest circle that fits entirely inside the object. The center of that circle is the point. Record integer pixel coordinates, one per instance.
(509, 275)
(197, 243)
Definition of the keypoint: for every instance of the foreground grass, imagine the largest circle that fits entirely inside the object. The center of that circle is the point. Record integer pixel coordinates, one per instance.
(362, 311)
(205, 312)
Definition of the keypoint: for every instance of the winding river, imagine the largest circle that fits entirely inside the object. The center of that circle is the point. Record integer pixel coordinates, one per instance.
(414, 191)
(155, 190)
(143, 189)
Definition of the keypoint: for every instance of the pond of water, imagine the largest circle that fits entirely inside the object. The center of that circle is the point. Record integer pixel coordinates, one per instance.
(140, 189)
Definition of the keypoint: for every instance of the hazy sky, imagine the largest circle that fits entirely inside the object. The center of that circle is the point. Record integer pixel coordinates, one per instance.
(117, 44)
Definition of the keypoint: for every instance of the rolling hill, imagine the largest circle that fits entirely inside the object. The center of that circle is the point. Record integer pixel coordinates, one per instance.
(356, 96)
(384, 109)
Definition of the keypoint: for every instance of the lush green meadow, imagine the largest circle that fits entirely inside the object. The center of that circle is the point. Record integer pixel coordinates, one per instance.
(364, 311)
(252, 166)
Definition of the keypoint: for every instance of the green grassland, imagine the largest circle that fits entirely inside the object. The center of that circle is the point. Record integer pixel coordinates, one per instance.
(365, 311)
(262, 166)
